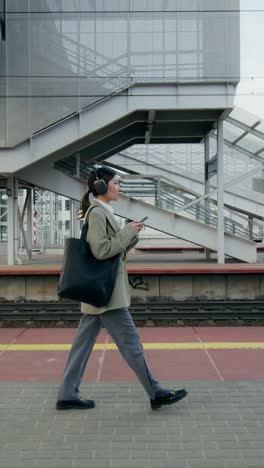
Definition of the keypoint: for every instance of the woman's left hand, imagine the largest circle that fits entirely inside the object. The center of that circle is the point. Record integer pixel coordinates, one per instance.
(138, 226)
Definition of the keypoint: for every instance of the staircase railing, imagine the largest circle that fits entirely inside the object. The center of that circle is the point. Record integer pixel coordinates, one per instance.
(168, 196)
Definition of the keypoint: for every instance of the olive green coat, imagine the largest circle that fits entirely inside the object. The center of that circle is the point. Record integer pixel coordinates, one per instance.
(106, 240)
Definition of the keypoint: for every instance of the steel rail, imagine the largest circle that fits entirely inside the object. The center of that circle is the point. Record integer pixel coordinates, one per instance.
(177, 310)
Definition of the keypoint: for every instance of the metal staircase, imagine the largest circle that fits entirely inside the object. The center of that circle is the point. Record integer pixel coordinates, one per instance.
(185, 228)
(131, 162)
(169, 196)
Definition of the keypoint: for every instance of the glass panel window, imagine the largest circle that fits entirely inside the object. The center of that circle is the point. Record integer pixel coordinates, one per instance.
(231, 132)
(261, 154)
(260, 128)
(243, 116)
(251, 143)
(3, 233)
(3, 215)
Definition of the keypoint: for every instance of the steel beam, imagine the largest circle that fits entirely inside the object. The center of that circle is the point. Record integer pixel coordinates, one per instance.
(29, 208)
(150, 123)
(12, 224)
(207, 186)
(220, 194)
(44, 176)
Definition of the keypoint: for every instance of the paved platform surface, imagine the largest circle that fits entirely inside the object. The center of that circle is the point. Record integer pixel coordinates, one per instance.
(219, 425)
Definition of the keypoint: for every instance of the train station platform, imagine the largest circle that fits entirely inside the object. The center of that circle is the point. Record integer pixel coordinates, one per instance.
(154, 278)
(219, 425)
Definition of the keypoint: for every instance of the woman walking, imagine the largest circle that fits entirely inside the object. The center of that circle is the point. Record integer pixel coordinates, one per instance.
(106, 240)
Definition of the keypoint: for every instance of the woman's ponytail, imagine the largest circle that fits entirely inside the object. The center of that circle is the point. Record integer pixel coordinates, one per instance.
(85, 203)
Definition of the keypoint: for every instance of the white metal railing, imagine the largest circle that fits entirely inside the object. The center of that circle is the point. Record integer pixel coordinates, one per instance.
(168, 196)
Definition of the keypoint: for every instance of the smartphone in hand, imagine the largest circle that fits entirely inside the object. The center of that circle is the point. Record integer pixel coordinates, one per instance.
(144, 219)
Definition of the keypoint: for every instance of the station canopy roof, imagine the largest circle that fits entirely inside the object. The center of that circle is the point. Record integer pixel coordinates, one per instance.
(244, 132)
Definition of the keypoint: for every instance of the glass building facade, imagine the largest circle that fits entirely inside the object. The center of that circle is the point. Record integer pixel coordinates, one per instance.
(59, 56)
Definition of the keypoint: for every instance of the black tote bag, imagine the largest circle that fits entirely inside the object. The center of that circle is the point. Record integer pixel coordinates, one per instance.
(83, 277)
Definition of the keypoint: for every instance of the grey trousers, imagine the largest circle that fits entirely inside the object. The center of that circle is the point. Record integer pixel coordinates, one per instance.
(122, 329)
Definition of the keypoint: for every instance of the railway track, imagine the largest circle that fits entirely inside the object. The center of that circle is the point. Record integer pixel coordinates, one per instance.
(177, 310)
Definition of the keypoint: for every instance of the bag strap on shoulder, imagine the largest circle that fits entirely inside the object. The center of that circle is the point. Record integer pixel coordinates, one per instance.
(86, 222)
(87, 214)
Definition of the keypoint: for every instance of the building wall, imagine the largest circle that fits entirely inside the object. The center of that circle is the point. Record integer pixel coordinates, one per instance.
(221, 39)
(2, 82)
(65, 55)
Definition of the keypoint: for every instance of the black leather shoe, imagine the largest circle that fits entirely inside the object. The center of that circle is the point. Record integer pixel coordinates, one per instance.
(168, 399)
(74, 404)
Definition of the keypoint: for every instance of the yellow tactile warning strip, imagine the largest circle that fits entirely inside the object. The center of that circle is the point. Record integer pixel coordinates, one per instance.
(149, 346)
(155, 268)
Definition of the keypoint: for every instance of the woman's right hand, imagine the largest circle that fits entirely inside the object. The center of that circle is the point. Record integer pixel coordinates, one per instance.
(138, 226)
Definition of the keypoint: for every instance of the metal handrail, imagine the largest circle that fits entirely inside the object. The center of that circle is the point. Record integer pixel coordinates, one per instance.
(164, 194)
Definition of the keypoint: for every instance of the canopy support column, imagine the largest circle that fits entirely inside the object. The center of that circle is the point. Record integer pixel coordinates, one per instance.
(12, 220)
(220, 194)
(207, 186)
